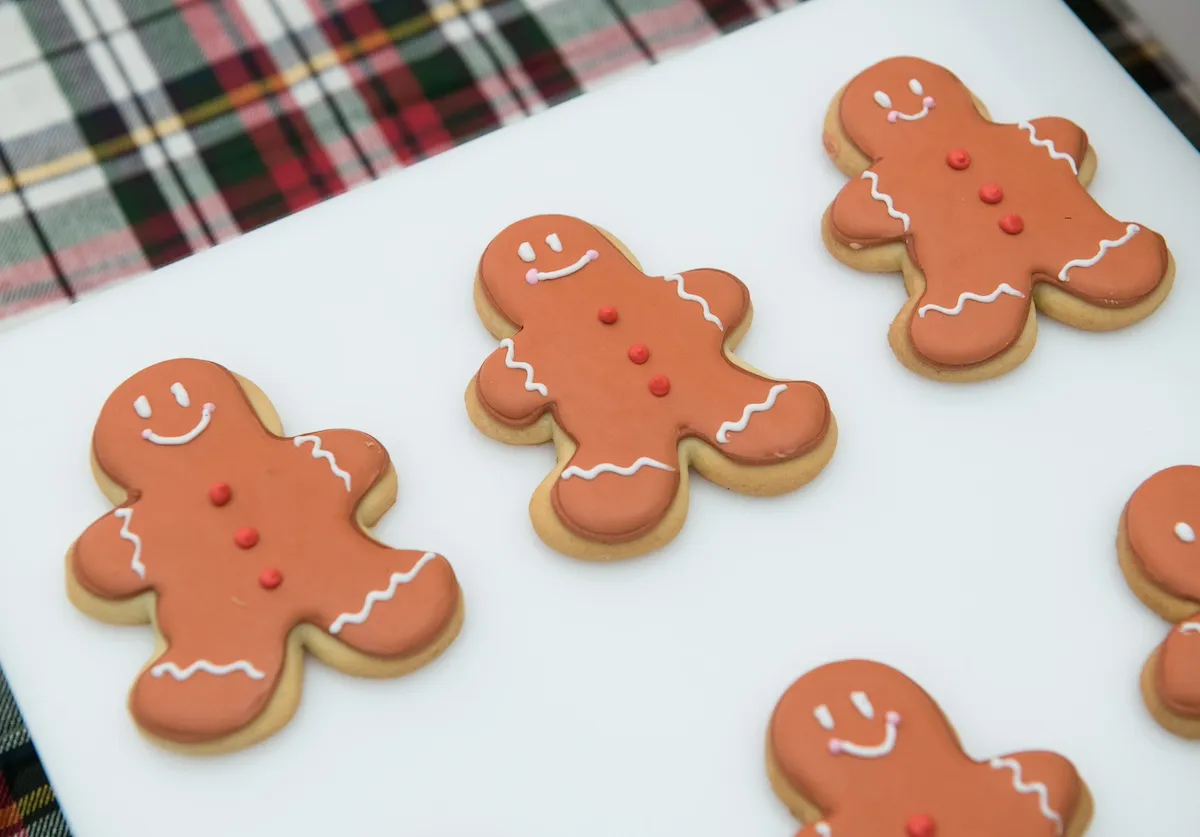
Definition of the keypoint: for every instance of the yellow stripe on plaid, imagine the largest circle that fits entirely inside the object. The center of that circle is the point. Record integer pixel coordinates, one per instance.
(19, 812)
(242, 96)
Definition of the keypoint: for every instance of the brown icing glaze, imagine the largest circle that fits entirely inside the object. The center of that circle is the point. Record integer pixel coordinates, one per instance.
(1172, 563)
(602, 396)
(217, 600)
(925, 773)
(961, 241)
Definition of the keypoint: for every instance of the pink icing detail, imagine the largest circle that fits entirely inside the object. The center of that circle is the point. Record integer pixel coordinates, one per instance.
(531, 276)
(928, 102)
(146, 433)
(892, 116)
(893, 718)
(593, 255)
(835, 746)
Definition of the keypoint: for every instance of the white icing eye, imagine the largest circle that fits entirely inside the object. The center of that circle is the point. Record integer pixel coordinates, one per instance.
(525, 251)
(181, 396)
(863, 704)
(915, 86)
(554, 243)
(882, 99)
(1184, 532)
(823, 716)
(142, 406)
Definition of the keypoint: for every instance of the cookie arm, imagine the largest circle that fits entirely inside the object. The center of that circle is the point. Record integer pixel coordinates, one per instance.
(354, 460)
(713, 295)
(864, 213)
(1064, 135)
(507, 385)
(387, 603)
(109, 560)
(1177, 679)
(1048, 781)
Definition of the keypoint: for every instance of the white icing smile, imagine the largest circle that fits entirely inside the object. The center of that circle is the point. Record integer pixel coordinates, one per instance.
(874, 751)
(534, 275)
(928, 103)
(205, 417)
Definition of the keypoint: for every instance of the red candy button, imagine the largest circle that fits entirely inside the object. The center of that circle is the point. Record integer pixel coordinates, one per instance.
(246, 537)
(640, 354)
(220, 493)
(920, 825)
(1012, 224)
(607, 315)
(660, 385)
(270, 578)
(958, 159)
(991, 193)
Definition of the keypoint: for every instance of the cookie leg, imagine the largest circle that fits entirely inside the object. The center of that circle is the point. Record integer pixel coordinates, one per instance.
(1177, 677)
(952, 328)
(619, 493)
(387, 611)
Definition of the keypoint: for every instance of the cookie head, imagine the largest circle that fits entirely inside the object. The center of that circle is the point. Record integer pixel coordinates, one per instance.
(174, 409)
(853, 722)
(890, 104)
(546, 257)
(1163, 525)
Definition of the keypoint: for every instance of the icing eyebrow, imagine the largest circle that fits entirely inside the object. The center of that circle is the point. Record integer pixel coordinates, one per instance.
(1184, 532)
(554, 243)
(181, 395)
(525, 251)
(915, 86)
(863, 704)
(823, 716)
(142, 406)
(882, 99)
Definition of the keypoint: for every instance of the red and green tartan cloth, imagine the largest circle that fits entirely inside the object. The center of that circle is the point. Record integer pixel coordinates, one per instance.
(137, 132)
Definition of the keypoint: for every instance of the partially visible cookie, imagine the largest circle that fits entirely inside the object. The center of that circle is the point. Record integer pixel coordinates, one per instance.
(633, 378)
(982, 219)
(1160, 557)
(855, 748)
(243, 548)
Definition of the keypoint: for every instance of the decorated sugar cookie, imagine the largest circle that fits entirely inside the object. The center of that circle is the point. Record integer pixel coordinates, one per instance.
(855, 748)
(244, 548)
(984, 220)
(631, 376)
(1160, 557)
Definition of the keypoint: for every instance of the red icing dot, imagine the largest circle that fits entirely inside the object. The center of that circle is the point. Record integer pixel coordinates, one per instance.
(246, 537)
(660, 385)
(639, 354)
(958, 159)
(270, 578)
(991, 193)
(1012, 224)
(607, 315)
(920, 825)
(220, 493)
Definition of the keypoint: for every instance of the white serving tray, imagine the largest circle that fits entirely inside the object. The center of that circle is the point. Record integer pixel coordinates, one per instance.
(964, 534)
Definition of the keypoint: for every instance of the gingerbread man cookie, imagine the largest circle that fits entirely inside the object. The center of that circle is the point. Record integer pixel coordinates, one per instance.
(631, 376)
(982, 219)
(856, 749)
(1159, 555)
(243, 548)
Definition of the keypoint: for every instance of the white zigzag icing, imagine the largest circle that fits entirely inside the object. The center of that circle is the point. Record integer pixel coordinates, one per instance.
(609, 468)
(511, 363)
(126, 514)
(1032, 787)
(319, 453)
(1190, 628)
(380, 595)
(1055, 154)
(740, 425)
(1105, 245)
(1004, 288)
(885, 198)
(208, 667)
(683, 294)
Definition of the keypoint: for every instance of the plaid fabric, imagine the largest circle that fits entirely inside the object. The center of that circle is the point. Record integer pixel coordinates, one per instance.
(136, 132)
